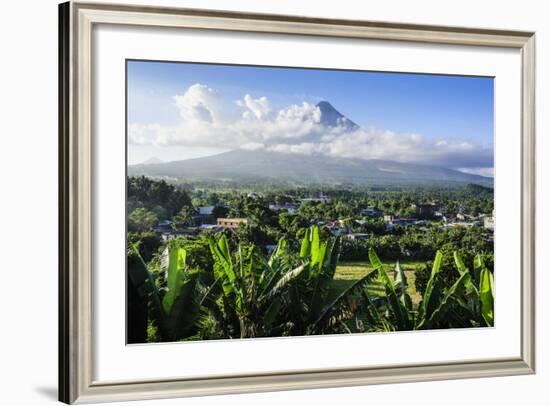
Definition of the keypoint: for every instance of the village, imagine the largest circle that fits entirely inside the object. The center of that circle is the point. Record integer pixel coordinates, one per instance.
(352, 228)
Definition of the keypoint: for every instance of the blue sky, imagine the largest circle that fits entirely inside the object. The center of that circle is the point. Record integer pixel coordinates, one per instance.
(439, 108)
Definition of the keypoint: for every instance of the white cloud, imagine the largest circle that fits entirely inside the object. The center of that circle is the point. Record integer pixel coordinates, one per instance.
(258, 107)
(210, 121)
(489, 172)
(200, 103)
(253, 146)
(386, 145)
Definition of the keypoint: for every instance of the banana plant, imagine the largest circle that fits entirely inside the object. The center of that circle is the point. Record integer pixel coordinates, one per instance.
(399, 303)
(143, 297)
(175, 310)
(181, 300)
(252, 288)
(463, 304)
(276, 296)
(321, 312)
(431, 299)
(342, 308)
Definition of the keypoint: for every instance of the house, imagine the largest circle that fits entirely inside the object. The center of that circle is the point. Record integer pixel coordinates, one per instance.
(213, 227)
(165, 237)
(405, 221)
(449, 218)
(463, 217)
(392, 221)
(426, 209)
(231, 223)
(337, 231)
(204, 215)
(489, 222)
(289, 207)
(461, 224)
(171, 234)
(371, 212)
(206, 210)
(321, 199)
(163, 226)
(335, 227)
(357, 236)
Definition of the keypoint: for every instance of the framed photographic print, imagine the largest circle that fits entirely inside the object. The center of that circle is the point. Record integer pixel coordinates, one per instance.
(265, 202)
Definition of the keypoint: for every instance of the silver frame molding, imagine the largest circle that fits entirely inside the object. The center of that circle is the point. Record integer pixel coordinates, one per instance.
(76, 21)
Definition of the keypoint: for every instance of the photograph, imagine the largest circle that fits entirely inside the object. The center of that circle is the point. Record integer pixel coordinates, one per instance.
(267, 201)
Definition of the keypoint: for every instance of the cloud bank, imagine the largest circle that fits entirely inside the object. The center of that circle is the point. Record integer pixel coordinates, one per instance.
(208, 120)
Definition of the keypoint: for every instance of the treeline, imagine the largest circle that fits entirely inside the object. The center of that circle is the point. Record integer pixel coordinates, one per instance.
(163, 199)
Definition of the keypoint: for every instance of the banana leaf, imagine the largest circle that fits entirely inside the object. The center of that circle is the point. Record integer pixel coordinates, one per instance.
(175, 276)
(400, 285)
(315, 245)
(400, 312)
(478, 266)
(144, 283)
(431, 294)
(285, 279)
(305, 249)
(185, 307)
(372, 314)
(223, 267)
(471, 289)
(486, 296)
(447, 301)
(339, 309)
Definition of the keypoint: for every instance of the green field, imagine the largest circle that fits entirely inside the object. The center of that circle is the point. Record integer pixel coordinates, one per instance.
(349, 272)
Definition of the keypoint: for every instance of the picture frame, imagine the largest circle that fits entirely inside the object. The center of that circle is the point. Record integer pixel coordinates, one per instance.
(76, 214)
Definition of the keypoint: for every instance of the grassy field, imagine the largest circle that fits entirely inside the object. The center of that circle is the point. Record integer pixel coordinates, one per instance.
(349, 272)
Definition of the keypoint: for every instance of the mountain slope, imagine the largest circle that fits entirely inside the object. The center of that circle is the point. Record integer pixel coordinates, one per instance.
(331, 117)
(254, 166)
(153, 160)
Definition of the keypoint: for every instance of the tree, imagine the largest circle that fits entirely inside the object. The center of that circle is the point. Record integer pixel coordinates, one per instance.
(147, 243)
(158, 196)
(220, 211)
(141, 220)
(184, 217)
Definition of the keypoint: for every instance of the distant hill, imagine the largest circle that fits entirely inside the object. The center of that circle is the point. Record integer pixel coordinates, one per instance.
(153, 160)
(253, 166)
(478, 190)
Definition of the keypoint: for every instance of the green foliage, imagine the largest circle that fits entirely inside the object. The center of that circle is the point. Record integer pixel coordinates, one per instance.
(468, 243)
(486, 295)
(141, 220)
(151, 194)
(172, 313)
(184, 217)
(249, 290)
(397, 300)
(461, 305)
(147, 242)
(211, 285)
